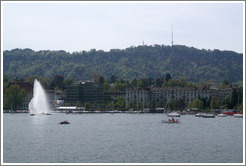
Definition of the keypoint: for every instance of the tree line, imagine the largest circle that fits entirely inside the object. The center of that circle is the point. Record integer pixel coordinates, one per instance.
(155, 61)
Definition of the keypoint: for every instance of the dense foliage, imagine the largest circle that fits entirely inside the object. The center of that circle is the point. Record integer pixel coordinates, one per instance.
(131, 63)
(14, 97)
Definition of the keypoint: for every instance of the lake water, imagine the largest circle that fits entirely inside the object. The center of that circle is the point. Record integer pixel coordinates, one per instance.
(121, 138)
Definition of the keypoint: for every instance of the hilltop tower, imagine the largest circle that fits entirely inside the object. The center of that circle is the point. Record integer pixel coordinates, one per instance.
(172, 35)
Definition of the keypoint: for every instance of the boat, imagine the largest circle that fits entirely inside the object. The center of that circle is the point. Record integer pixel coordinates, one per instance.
(146, 110)
(173, 114)
(32, 114)
(64, 122)
(47, 114)
(170, 121)
(228, 112)
(238, 115)
(208, 116)
(199, 115)
(222, 115)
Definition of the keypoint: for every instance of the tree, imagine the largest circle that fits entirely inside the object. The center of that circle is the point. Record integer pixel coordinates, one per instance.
(180, 104)
(14, 97)
(133, 82)
(149, 104)
(131, 105)
(158, 82)
(67, 81)
(170, 104)
(45, 82)
(195, 104)
(120, 86)
(214, 104)
(98, 79)
(57, 82)
(106, 86)
(227, 101)
(138, 106)
(87, 106)
(78, 104)
(168, 77)
(120, 102)
(113, 79)
(182, 82)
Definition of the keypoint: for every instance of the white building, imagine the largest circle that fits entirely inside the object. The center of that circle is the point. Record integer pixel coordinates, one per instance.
(137, 95)
(159, 96)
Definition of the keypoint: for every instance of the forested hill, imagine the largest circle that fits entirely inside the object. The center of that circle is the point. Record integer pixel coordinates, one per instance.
(135, 62)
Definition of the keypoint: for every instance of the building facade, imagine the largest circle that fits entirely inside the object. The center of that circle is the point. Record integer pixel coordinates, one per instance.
(85, 92)
(158, 97)
(136, 95)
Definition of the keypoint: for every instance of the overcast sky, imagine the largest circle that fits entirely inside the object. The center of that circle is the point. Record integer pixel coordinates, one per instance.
(84, 26)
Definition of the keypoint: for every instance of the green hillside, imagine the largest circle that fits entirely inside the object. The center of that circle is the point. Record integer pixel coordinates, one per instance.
(135, 62)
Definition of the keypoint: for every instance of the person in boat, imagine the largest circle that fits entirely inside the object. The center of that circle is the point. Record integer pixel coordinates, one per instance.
(172, 119)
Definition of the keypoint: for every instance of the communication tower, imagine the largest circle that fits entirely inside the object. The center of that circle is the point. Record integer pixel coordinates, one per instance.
(172, 35)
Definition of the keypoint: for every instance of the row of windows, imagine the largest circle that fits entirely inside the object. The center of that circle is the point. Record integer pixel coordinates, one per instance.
(177, 95)
(170, 91)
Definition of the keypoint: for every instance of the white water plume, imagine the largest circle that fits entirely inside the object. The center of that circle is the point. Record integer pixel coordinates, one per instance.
(39, 103)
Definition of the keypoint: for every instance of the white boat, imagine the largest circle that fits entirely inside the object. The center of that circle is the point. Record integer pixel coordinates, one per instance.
(173, 114)
(170, 121)
(146, 110)
(222, 115)
(199, 114)
(238, 115)
(208, 116)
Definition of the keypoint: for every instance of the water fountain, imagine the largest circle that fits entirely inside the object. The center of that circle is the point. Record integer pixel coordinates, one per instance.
(39, 103)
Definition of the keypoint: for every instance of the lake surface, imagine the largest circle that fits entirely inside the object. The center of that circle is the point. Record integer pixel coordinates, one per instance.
(121, 138)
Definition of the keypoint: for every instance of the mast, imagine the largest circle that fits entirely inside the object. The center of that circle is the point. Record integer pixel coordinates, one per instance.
(172, 35)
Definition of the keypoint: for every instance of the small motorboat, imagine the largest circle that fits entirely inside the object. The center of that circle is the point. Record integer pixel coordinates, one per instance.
(32, 114)
(222, 115)
(64, 122)
(199, 115)
(173, 114)
(238, 115)
(228, 112)
(47, 114)
(170, 121)
(208, 116)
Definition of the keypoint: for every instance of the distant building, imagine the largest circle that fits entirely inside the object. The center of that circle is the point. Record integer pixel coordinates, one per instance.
(222, 93)
(85, 92)
(115, 93)
(136, 95)
(159, 96)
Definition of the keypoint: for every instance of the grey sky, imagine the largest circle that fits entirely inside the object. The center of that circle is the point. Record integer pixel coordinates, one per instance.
(83, 26)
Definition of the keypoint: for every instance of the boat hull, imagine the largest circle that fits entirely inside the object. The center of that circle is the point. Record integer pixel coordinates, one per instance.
(64, 122)
(208, 116)
(238, 115)
(222, 115)
(199, 115)
(170, 121)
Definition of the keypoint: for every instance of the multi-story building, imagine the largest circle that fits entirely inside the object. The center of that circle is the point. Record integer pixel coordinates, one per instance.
(222, 93)
(84, 92)
(136, 95)
(159, 96)
(115, 93)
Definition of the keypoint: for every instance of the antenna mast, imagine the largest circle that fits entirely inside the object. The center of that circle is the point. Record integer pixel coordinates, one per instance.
(172, 34)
